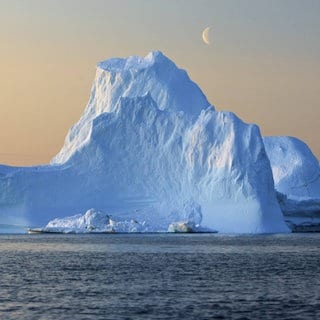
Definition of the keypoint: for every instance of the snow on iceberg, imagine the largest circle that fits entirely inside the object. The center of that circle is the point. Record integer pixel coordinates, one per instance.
(296, 174)
(149, 147)
(93, 221)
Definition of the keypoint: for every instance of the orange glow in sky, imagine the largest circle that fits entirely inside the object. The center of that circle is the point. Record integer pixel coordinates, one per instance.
(263, 62)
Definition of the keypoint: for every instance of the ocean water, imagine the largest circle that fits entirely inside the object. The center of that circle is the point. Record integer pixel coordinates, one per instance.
(175, 276)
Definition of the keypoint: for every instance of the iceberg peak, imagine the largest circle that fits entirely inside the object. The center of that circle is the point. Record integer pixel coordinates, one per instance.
(156, 75)
(135, 62)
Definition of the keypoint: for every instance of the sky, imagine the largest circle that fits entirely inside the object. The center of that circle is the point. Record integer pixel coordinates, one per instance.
(262, 64)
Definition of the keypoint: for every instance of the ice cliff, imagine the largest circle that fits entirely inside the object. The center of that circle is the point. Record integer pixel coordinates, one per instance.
(150, 148)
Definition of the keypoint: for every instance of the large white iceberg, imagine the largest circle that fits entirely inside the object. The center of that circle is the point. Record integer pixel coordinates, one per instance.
(149, 147)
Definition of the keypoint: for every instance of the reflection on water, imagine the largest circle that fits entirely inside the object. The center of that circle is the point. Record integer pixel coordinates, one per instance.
(176, 276)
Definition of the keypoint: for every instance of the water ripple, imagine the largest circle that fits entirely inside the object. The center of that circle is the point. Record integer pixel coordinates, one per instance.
(159, 277)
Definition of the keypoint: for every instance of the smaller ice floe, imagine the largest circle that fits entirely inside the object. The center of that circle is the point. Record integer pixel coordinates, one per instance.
(187, 227)
(92, 221)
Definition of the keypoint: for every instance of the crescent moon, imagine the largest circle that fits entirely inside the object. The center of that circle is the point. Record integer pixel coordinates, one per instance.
(206, 35)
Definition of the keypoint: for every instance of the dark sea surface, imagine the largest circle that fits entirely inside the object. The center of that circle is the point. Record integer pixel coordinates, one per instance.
(174, 276)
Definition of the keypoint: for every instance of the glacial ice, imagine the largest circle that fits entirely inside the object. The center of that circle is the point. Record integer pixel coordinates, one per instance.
(149, 148)
(296, 174)
(117, 78)
(94, 221)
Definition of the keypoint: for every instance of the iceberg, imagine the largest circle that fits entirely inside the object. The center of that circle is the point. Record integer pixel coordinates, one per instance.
(295, 169)
(93, 221)
(118, 78)
(296, 174)
(149, 147)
